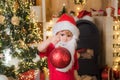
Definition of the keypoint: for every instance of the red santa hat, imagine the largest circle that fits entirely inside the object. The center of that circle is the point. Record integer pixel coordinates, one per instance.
(85, 15)
(66, 22)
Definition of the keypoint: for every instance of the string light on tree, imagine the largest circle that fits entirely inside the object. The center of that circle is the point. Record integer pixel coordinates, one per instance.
(116, 49)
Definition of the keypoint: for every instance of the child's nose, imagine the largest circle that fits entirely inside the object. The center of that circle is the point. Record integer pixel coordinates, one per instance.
(65, 39)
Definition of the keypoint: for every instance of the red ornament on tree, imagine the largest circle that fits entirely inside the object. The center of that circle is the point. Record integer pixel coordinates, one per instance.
(60, 57)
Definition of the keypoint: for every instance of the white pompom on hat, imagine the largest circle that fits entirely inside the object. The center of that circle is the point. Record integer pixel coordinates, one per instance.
(85, 15)
(66, 22)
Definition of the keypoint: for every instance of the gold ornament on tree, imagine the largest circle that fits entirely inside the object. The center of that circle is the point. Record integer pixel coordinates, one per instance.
(22, 44)
(15, 7)
(15, 20)
(2, 18)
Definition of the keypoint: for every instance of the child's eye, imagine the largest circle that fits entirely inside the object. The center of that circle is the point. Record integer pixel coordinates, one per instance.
(69, 35)
(62, 34)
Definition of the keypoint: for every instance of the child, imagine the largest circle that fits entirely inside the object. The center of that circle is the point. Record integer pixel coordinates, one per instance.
(65, 34)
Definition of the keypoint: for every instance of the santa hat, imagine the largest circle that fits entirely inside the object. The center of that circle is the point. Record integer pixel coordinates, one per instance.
(85, 15)
(66, 22)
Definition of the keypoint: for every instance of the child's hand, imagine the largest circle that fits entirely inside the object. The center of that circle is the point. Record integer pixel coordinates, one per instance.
(42, 47)
(55, 39)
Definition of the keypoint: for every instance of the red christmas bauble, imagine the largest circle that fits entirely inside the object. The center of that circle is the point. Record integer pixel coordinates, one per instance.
(60, 57)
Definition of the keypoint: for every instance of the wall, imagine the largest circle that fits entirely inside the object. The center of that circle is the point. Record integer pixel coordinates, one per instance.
(53, 7)
(95, 4)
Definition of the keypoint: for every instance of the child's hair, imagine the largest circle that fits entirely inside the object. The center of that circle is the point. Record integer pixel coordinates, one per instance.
(67, 32)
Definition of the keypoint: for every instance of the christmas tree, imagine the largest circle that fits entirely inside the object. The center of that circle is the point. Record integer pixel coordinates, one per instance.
(18, 34)
(64, 10)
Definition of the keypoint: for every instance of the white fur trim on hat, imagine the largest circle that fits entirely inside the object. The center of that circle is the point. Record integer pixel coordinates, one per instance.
(66, 25)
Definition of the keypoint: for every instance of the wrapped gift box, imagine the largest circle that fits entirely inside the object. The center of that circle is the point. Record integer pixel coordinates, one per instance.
(30, 75)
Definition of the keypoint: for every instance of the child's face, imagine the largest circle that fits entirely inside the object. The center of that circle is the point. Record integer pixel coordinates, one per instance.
(65, 35)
